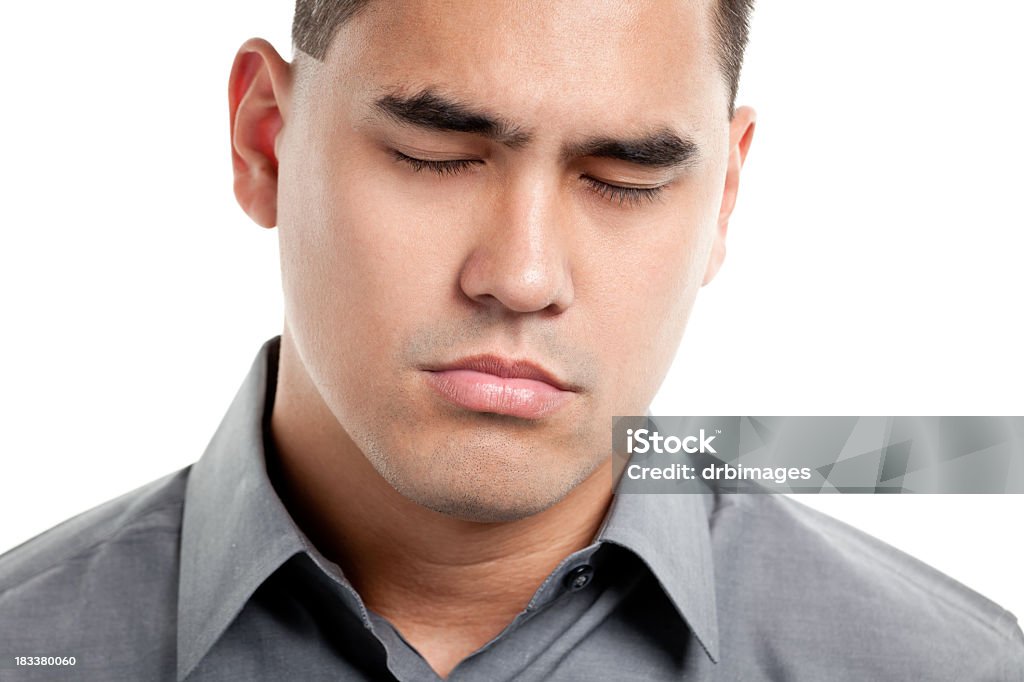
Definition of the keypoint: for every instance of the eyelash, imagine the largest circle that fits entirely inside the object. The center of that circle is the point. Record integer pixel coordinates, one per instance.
(632, 196)
(440, 167)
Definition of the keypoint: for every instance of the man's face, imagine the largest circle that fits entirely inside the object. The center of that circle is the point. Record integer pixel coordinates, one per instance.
(535, 181)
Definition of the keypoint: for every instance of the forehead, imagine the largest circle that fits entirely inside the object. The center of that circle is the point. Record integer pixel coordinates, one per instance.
(542, 61)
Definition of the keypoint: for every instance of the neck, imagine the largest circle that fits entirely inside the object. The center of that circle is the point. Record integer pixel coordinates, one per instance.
(447, 584)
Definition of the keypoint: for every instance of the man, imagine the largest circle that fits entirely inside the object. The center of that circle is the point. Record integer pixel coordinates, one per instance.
(494, 219)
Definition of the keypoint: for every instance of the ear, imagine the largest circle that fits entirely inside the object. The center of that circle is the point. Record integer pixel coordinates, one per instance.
(258, 95)
(741, 132)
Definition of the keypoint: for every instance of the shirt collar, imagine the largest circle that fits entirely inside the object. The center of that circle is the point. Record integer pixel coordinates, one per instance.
(236, 532)
(670, 533)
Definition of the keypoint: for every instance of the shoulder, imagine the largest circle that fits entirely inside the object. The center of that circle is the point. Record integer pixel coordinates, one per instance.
(798, 571)
(146, 514)
(108, 572)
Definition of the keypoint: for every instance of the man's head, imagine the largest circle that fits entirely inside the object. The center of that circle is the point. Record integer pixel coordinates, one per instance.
(544, 181)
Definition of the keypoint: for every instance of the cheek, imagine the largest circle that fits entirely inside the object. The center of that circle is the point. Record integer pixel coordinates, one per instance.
(355, 268)
(352, 253)
(642, 296)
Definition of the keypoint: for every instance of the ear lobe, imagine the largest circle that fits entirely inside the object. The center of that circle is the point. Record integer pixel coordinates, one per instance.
(741, 134)
(258, 93)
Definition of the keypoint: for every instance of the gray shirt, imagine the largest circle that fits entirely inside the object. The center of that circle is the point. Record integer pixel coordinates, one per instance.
(204, 575)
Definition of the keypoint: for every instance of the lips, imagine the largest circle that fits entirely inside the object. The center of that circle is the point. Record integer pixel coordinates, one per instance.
(492, 384)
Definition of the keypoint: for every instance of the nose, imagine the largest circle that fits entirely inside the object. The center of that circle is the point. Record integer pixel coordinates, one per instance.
(520, 259)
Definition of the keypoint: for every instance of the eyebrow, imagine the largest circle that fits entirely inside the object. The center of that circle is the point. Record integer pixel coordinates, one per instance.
(661, 148)
(430, 110)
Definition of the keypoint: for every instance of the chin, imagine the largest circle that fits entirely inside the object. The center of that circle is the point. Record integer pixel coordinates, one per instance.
(487, 488)
(481, 509)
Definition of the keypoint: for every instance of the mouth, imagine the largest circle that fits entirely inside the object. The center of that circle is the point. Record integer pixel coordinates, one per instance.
(493, 384)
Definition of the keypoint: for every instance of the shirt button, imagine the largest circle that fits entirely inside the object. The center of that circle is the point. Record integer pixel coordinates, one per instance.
(579, 577)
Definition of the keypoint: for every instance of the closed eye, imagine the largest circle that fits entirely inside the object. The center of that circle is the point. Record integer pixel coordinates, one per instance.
(619, 194)
(632, 196)
(453, 167)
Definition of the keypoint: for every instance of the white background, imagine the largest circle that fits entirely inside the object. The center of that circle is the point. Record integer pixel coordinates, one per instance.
(873, 266)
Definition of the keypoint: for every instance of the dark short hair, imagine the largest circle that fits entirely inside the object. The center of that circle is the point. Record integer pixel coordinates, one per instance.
(316, 22)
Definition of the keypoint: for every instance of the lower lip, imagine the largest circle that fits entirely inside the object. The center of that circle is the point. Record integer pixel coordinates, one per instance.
(481, 392)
